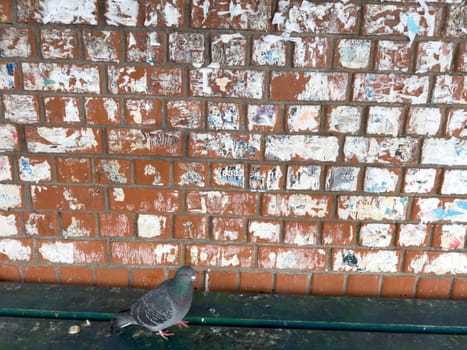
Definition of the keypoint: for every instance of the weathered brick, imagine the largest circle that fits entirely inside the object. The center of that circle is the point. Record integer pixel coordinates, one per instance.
(21, 109)
(166, 13)
(263, 117)
(143, 111)
(228, 175)
(298, 205)
(266, 177)
(185, 114)
(152, 172)
(309, 86)
(284, 147)
(228, 229)
(63, 140)
(145, 141)
(227, 83)
(191, 174)
(153, 226)
(6, 15)
(16, 42)
(457, 122)
(43, 11)
(279, 258)
(102, 45)
(413, 235)
(146, 80)
(223, 145)
(439, 263)
(353, 54)
(102, 110)
(245, 15)
(380, 180)
(264, 231)
(191, 227)
(219, 255)
(59, 43)
(15, 249)
(67, 197)
(363, 260)
(9, 76)
(454, 181)
(303, 177)
(145, 47)
(338, 233)
(155, 200)
(303, 118)
(5, 168)
(461, 63)
(78, 78)
(342, 178)
(454, 151)
(229, 49)
(390, 88)
(449, 237)
(434, 56)
(450, 89)
(440, 209)
(74, 170)
(224, 115)
(380, 149)
(147, 253)
(122, 13)
(343, 119)
(372, 207)
(300, 233)
(376, 235)
(112, 171)
(393, 55)
(269, 50)
(187, 48)
(420, 180)
(115, 225)
(423, 121)
(8, 137)
(35, 169)
(317, 18)
(312, 52)
(78, 225)
(384, 120)
(41, 224)
(62, 110)
(456, 21)
(221, 203)
(9, 223)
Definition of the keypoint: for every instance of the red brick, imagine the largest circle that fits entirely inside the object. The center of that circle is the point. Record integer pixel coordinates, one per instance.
(145, 141)
(62, 110)
(145, 47)
(191, 174)
(78, 225)
(74, 170)
(338, 233)
(35, 169)
(152, 172)
(312, 52)
(39, 274)
(398, 287)
(59, 43)
(165, 81)
(363, 285)
(256, 282)
(434, 56)
(102, 45)
(41, 224)
(309, 86)
(229, 49)
(9, 273)
(221, 281)
(104, 110)
(298, 205)
(459, 291)
(291, 284)
(224, 203)
(155, 13)
(461, 62)
(393, 55)
(264, 231)
(15, 249)
(79, 78)
(228, 175)
(143, 111)
(6, 15)
(108, 277)
(236, 256)
(76, 275)
(9, 137)
(191, 227)
(279, 258)
(115, 225)
(228, 229)
(327, 284)
(152, 200)
(72, 251)
(67, 197)
(113, 171)
(254, 15)
(147, 253)
(17, 42)
(63, 140)
(9, 78)
(433, 288)
(185, 114)
(300, 233)
(147, 278)
(456, 122)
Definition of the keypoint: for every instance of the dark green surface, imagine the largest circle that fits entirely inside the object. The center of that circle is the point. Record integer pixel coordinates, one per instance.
(224, 314)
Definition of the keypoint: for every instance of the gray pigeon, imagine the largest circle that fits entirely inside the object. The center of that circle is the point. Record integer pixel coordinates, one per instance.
(163, 306)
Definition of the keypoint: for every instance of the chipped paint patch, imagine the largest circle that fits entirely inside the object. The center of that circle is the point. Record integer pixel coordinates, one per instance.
(297, 205)
(419, 180)
(412, 235)
(193, 174)
(8, 137)
(222, 256)
(75, 229)
(303, 118)
(378, 180)
(14, 42)
(302, 147)
(187, 48)
(342, 179)
(301, 234)
(57, 11)
(118, 194)
(22, 109)
(303, 177)
(166, 254)
(7, 76)
(376, 235)
(63, 140)
(344, 119)
(450, 152)
(372, 207)
(5, 168)
(457, 123)
(384, 120)
(34, 171)
(58, 252)
(15, 250)
(10, 196)
(226, 145)
(380, 150)
(223, 116)
(432, 209)
(292, 258)
(366, 261)
(162, 142)
(151, 225)
(434, 56)
(8, 225)
(439, 264)
(323, 86)
(111, 170)
(269, 52)
(32, 224)
(454, 182)
(453, 236)
(122, 12)
(233, 175)
(353, 53)
(264, 231)
(265, 178)
(424, 120)
(262, 117)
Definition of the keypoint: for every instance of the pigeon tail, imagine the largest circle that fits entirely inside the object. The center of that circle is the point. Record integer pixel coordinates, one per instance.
(122, 320)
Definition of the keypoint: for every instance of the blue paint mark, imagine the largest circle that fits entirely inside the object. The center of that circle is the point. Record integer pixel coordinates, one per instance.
(439, 213)
(461, 204)
(49, 82)
(413, 27)
(10, 68)
(25, 166)
(369, 92)
(452, 212)
(2, 54)
(459, 151)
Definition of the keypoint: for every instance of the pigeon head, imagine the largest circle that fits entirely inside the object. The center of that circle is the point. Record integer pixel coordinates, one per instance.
(185, 273)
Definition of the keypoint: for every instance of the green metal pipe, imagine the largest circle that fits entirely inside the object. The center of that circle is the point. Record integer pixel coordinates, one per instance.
(251, 323)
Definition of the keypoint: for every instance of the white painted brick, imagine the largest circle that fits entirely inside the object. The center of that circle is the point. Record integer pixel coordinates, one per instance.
(10, 196)
(187, 48)
(375, 150)
(344, 119)
(262, 116)
(61, 140)
(377, 261)
(419, 180)
(302, 147)
(434, 56)
(122, 12)
(303, 177)
(412, 235)
(7, 76)
(15, 250)
(453, 236)
(303, 118)
(5, 169)
(15, 42)
(271, 52)
(151, 225)
(324, 86)
(451, 151)
(353, 53)
(75, 229)
(384, 120)
(21, 109)
(454, 182)
(380, 180)
(424, 120)
(34, 171)
(372, 207)
(264, 230)
(433, 209)
(376, 235)
(8, 225)
(342, 179)
(442, 264)
(8, 137)
(457, 122)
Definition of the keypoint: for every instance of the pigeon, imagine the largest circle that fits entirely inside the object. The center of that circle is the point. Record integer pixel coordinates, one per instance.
(162, 307)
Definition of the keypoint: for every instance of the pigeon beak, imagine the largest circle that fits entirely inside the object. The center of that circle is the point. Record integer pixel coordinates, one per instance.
(193, 278)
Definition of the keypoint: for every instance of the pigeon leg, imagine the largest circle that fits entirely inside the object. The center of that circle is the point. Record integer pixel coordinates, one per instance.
(165, 334)
(182, 324)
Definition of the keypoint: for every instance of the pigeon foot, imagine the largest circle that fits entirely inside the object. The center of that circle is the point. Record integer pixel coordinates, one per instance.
(182, 324)
(165, 334)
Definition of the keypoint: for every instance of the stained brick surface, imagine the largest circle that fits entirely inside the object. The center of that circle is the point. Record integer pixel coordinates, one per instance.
(297, 147)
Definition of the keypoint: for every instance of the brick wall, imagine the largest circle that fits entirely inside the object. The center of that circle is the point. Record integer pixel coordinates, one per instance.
(288, 146)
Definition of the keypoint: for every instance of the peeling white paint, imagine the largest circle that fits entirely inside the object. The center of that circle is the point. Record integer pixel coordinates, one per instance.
(15, 250)
(303, 118)
(345, 119)
(68, 12)
(63, 140)
(424, 120)
(265, 231)
(442, 264)
(119, 194)
(31, 225)
(22, 109)
(8, 225)
(298, 205)
(14, 42)
(73, 202)
(71, 110)
(371, 261)
(223, 256)
(453, 236)
(384, 120)
(303, 147)
(166, 253)
(372, 207)
(302, 259)
(5, 169)
(376, 235)
(375, 150)
(432, 209)
(342, 179)
(353, 53)
(434, 56)
(111, 170)
(457, 122)
(450, 152)
(75, 229)
(151, 225)
(324, 86)
(34, 171)
(454, 182)
(419, 180)
(10, 196)
(8, 137)
(58, 252)
(122, 12)
(378, 180)
(300, 235)
(303, 177)
(412, 235)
